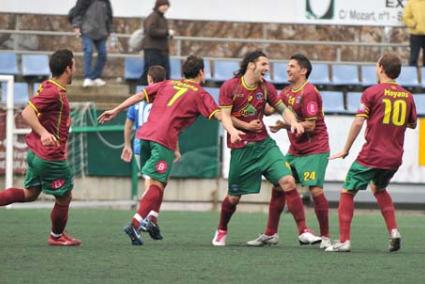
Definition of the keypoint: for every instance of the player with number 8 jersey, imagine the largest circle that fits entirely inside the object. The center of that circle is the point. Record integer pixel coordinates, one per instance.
(175, 105)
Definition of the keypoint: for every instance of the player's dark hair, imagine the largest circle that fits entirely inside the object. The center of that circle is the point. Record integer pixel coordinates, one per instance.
(391, 64)
(157, 73)
(192, 66)
(59, 61)
(248, 58)
(303, 61)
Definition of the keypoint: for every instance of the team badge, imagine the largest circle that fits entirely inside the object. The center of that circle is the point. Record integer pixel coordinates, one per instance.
(161, 167)
(259, 96)
(58, 183)
(312, 108)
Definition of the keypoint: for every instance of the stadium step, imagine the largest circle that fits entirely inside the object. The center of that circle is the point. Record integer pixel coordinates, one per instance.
(105, 97)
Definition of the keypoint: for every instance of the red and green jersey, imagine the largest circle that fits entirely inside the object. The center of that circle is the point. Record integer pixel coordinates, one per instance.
(176, 105)
(247, 104)
(389, 109)
(306, 103)
(52, 108)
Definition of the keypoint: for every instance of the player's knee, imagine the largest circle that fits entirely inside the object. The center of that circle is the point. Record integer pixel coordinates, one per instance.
(287, 183)
(316, 191)
(64, 200)
(158, 184)
(234, 199)
(31, 194)
(376, 189)
(351, 192)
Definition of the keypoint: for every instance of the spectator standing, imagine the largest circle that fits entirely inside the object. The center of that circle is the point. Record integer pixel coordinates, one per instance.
(155, 42)
(414, 19)
(92, 20)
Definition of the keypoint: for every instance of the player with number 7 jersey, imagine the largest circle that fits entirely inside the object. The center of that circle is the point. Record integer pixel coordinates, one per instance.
(175, 105)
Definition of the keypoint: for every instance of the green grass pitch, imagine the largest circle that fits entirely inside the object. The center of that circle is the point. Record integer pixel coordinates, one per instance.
(187, 256)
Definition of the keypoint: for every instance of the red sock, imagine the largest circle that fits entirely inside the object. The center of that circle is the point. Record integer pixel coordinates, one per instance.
(12, 195)
(227, 210)
(59, 217)
(345, 215)
(296, 207)
(151, 200)
(387, 209)
(157, 206)
(321, 207)
(277, 203)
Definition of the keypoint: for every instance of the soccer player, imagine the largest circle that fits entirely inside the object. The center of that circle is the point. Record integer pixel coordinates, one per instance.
(308, 153)
(244, 98)
(137, 115)
(389, 110)
(48, 115)
(175, 105)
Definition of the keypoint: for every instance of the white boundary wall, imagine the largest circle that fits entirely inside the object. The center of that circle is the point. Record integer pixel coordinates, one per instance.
(340, 12)
(10, 121)
(338, 127)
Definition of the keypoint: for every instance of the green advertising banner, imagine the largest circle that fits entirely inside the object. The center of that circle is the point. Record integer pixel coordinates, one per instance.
(95, 152)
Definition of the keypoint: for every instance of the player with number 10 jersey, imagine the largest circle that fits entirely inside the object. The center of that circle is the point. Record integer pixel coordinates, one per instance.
(389, 109)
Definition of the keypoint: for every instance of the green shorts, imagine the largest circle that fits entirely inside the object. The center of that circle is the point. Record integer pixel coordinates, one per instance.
(52, 177)
(309, 170)
(359, 177)
(156, 160)
(249, 163)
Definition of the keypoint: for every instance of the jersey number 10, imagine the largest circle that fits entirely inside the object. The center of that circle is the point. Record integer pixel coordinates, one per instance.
(395, 112)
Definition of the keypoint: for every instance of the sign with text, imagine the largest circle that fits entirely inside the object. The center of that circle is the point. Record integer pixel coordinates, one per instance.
(360, 12)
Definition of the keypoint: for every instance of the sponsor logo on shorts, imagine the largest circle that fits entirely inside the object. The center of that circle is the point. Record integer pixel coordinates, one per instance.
(234, 187)
(161, 167)
(58, 183)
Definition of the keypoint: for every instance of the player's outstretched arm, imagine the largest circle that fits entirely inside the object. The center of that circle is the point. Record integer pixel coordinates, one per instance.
(356, 126)
(224, 117)
(110, 114)
(279, 124)
(30, 117)
(290, 117)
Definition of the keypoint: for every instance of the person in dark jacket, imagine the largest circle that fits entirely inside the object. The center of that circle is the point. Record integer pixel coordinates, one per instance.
(155, 42)
(92, 21)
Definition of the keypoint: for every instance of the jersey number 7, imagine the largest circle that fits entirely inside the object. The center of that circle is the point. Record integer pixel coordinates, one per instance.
(180, 92)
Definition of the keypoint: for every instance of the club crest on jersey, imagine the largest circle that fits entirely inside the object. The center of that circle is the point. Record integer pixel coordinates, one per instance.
(57, 183)
(161, 167)
(312, 108)
(259, 96)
